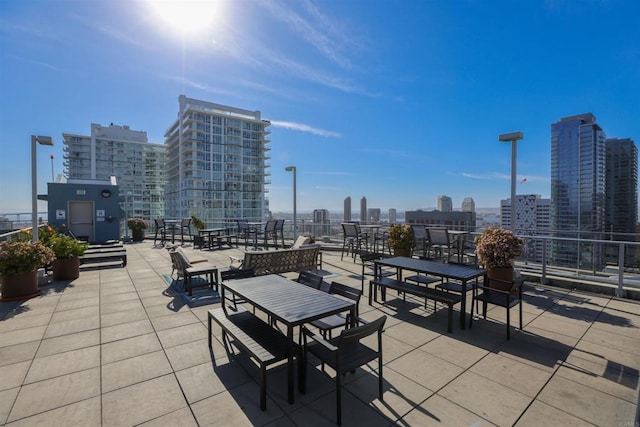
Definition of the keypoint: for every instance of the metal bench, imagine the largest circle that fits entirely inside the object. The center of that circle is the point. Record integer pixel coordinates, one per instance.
(383, 283)
(251, 334)
(282, 261)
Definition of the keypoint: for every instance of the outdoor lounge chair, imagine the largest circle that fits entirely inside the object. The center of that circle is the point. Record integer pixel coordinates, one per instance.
(188, 271)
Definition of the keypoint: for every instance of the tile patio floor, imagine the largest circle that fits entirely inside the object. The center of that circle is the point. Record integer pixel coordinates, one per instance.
(116, 348)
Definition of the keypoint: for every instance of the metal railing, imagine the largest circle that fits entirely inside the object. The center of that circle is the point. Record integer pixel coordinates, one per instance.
(606, 260)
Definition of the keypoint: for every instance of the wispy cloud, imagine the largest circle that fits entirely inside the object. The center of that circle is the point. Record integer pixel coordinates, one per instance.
(320, 31)
(327, 173)
(386, 152)
(34, 62)
(195, 85)
(301, 127)
(112, 32)
(487, 176)
(506, 177)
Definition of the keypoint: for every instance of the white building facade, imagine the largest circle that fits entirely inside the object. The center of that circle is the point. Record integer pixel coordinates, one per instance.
(533, 218)
(126, 154)
(216, 163)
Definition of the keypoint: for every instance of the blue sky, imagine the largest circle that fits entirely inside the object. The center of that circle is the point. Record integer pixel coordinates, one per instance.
(398, 101)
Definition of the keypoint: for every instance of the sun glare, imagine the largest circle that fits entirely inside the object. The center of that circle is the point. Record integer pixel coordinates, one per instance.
(188, 16)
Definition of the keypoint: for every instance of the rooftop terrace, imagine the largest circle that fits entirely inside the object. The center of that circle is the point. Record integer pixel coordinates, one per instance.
(118, 347)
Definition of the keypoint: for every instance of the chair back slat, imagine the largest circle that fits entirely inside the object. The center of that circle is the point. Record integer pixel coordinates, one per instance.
(309, 279)
(350, 229)
(239, 273)
(360, 332)
(439, 236)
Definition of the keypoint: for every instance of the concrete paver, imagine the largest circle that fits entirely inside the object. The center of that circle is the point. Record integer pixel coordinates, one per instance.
(118, 347)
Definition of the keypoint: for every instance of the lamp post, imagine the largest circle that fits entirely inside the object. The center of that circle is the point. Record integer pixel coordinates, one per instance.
(514, 137)
(295, 219)
(126, 217)
(42, 140)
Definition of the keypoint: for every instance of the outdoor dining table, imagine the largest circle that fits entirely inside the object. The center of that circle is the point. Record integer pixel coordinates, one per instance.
(463, 273)
(211, 232)
(290, 303)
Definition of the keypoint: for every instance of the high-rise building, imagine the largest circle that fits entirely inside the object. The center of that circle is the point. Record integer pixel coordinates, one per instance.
(347, 209)
(532, 219)
(363, 209)
(445, 204)
(216, 163)
(113, 150)
(393, 216)
(468, 205)
(321, 222)
(621, 211)
(373, 215)
(577, 189)
(465, 221)
(621, 185)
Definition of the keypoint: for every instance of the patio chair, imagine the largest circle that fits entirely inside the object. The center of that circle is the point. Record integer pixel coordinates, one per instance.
(441, 243)
(161, 230)
(185, 225)
(309, 279)
(188, 271)
(502, 293)
(368, 266)
(247, 232)
(381, 237)
(352, 239)
(192, 260)
(421, 239)
(280, 231)
(238, 273)
(345, 353)
(269, 232)
(327, 324)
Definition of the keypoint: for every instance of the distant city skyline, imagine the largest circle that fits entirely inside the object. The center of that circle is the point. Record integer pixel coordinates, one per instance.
(399, 104)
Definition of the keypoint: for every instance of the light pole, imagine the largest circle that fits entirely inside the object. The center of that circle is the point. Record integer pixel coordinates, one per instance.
(514, 137)
(295, 219)
(42, 140)
(126, 217)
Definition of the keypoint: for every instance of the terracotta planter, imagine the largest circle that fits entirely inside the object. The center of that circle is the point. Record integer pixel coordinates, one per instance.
(405, 252)
(66, 269)
(20, 286)
(137, 235)
(500, 273)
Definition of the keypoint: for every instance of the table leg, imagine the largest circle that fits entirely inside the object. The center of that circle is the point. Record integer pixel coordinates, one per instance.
(463, 304)
(290, 363)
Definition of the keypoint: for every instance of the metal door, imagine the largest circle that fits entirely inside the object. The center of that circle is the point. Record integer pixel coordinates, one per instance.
(81, 220)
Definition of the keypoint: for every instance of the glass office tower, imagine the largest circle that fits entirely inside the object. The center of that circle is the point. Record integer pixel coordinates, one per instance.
(621, 196)
(216, 163)
(577, 189)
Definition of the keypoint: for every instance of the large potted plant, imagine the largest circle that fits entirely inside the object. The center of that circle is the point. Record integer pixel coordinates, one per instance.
(68, 252)
(19, 262)
(496, 249)
(137, 226)
(198, 240)
(401, 239)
